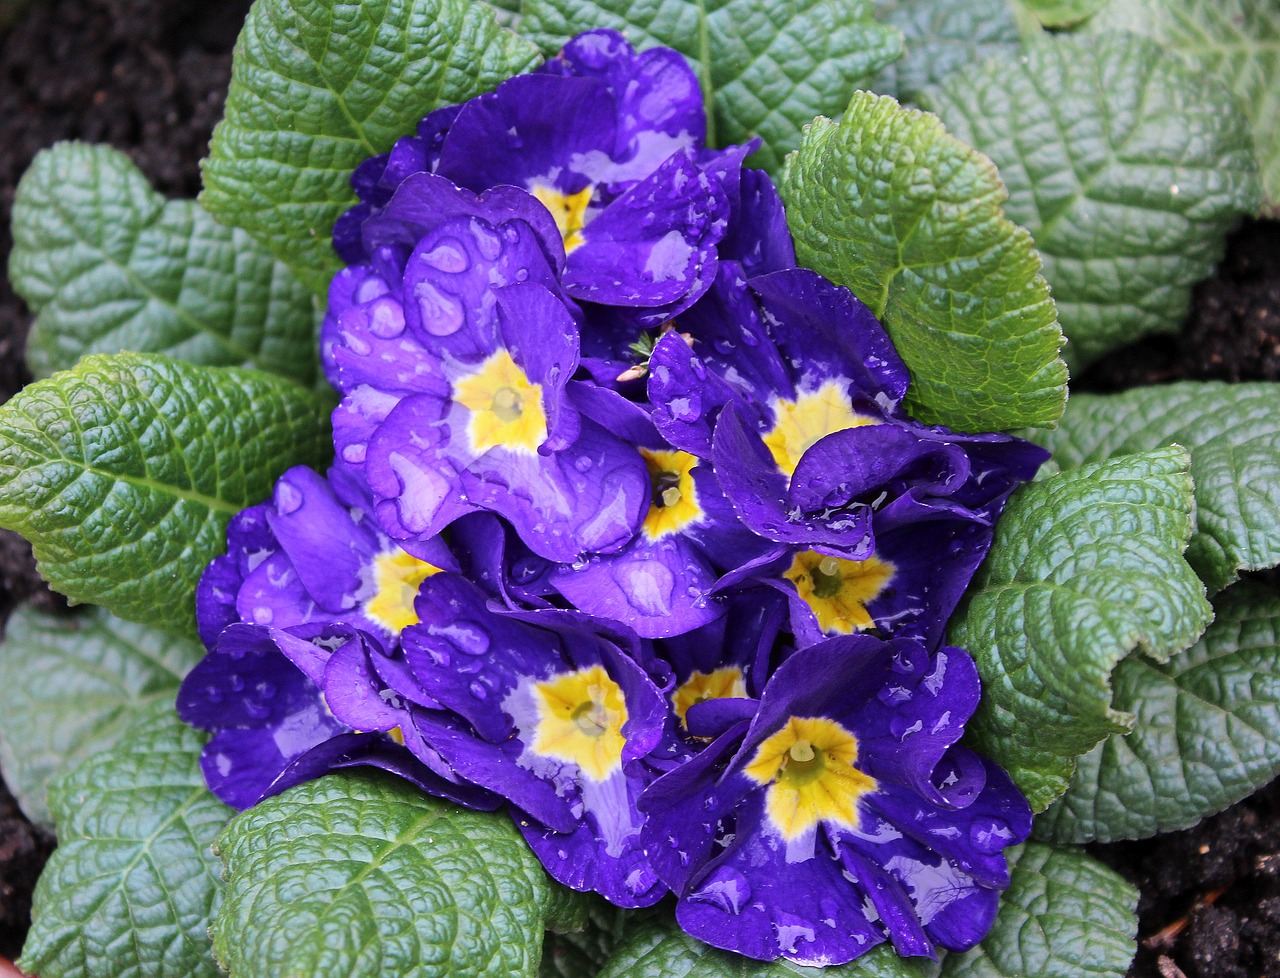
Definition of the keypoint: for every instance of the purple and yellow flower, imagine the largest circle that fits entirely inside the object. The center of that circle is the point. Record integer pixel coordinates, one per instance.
(842, 813)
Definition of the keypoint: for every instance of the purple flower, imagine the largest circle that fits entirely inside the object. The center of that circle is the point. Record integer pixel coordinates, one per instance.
(842, 813)
(259, 692)
(608, 141)
(454, 350)
(553, 711)
(315, 554)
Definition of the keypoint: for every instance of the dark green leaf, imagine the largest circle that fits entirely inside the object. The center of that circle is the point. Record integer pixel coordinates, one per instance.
(109, 265)
(1087, 566)
(316, 87)
(766, 68)
(132, 886)
(1062, 13)
(1233, 433)
(1065, 915)
(1127, 167)
(69, 684)
(889, 204)
(1207, 731)
(124, 472)
(369, 878)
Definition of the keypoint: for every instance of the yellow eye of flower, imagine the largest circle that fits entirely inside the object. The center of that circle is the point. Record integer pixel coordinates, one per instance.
(839, 590)
(396, 577)
(506, 408)
(726, 683)
(569, 211)
(808, 766)
(674, 504)
(811, 416)
(580, 720)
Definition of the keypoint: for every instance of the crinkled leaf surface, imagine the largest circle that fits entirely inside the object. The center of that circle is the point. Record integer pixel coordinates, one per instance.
(109, 265)
(318, 86)
(132, 886)
(888, 203)
(1127, 167)
(369, 877)
(663, 950)
(70, 684)
(942, 36)
(1237, 41)
(124, 472)
(1065, 915)
(1207, 732)
(767, 68)
(1086, 566)
(1233, 433)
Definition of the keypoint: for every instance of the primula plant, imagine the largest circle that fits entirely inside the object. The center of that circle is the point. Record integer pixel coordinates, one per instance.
(584, 474)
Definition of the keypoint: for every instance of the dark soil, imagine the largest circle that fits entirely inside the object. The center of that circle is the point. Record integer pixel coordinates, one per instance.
(149, 76)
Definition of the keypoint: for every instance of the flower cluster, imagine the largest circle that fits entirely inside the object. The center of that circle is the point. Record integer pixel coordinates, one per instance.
(628, 532)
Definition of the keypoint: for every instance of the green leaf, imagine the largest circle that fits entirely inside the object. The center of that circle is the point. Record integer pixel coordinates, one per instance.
(942, 36)
(1065, 915)
(1086, 566)
(663, 950)
(1207, 732)
(1127, 167)
(317, 86)
(1238, 41)
(889, 204)
(1062, 13)
(1233, 434)
(124, 472)
(109, 265)
(766, 68)
(370, 877)
(69, 685)
(132, 886)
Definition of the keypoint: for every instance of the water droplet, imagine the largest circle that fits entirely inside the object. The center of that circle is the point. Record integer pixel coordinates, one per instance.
(386, 319)
(478, 691)
(686, 408)
(441, 315)
(730, 892)
(288, 498)
(448, 256)
(354, 454)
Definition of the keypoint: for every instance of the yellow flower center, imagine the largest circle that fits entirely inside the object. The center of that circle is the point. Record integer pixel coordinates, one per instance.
(808, 766)
(839, 590)
(506, 408)
(674, 503)
(580, 719)
(726, 683)
(396, 577)
(568, 210)
(811, 416)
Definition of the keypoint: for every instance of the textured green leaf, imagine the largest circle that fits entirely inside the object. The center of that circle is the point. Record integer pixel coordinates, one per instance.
(132, 886)
(369, 877)
(1062, 13)
(942, 36)
(663, 950)
(70, 684)
(1065, 915)
(889, 204)
(124, 472)
(1233, 434)
(1127, 167)
(1086, 566)
(767, 68)
(1238, 41)
(109, 265)
(1207, 731)
(318, 86)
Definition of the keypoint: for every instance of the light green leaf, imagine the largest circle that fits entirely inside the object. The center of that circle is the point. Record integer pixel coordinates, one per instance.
(889, 204)
(132, 886)
(1086, 566)
(663, 950)
(942, 36)
(1065, 915)
(369, 877)
(766, 68)
(1233, 434)
(109, 265)
(316, 87)
(1128, 168)
(1062, 13)
(1236, 41)
(69, 684)
(1207, 732)
(124, 472)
